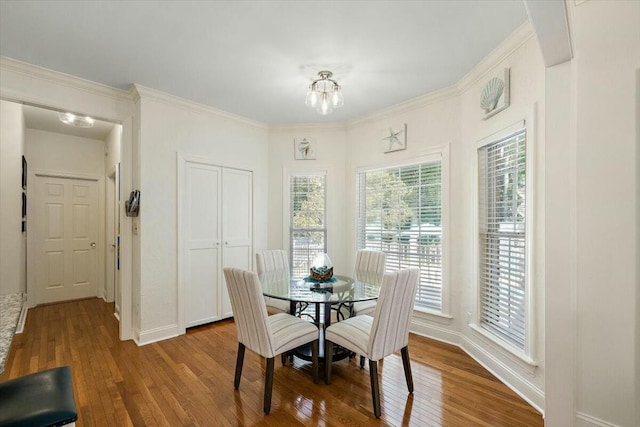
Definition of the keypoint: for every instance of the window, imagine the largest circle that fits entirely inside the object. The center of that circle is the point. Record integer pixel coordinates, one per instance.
(308, 230)
(400, 213)
(502, 237)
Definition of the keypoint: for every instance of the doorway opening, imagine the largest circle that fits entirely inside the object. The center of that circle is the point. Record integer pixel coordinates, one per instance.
(74, 208)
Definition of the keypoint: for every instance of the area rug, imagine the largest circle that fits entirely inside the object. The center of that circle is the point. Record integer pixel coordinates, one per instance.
(10, 306)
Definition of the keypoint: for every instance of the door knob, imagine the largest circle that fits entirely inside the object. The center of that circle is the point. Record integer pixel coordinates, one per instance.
(93, 244)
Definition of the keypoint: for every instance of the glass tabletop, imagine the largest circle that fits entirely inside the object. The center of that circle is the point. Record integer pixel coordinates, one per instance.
(340, 290)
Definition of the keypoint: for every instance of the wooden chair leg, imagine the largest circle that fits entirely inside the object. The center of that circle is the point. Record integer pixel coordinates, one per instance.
(407, 368)
(283, 358)
(239, 361)
(328, 359)
(315, 360)
(361, 362)
(268, 385)
(375, 388)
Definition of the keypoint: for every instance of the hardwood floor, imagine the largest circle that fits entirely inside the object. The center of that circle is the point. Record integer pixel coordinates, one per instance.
(188, 380)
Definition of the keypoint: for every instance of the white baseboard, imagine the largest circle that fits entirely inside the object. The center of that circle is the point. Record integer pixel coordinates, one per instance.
(516, 382)
(153, 335)
(585, 420)
(23, 316)
(429, 330)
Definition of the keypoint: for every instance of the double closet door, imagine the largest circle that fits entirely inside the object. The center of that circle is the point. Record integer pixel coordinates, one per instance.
(218, 233)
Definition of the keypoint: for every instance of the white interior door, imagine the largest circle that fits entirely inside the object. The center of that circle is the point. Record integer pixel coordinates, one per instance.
(202, 241)
(237, 225)
(66, 225)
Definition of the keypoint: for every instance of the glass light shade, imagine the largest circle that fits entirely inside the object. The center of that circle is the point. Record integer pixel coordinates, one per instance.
(336, 99)
(312, 97)
(322, 260)
(325, 107)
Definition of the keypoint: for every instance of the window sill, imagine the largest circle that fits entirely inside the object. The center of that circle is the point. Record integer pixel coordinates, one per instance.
(508, 347)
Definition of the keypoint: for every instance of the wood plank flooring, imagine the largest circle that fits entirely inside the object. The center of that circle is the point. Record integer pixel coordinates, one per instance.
(188, 380)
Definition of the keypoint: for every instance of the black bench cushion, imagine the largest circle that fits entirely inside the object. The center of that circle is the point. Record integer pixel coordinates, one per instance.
(38, 400)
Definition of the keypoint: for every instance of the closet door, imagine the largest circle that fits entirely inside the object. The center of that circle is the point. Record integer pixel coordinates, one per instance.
(202, 243)
(237, 225)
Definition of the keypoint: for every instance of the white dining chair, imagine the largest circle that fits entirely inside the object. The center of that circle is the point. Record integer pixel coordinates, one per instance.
(369, 267)
(275, 263)
(381, 335)
(266, 335)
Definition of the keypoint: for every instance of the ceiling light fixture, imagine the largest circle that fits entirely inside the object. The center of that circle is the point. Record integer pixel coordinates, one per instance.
(75, 120)
(324, 94)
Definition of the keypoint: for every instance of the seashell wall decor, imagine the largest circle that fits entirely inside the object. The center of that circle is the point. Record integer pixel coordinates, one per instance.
(495, 95)
(304, 149)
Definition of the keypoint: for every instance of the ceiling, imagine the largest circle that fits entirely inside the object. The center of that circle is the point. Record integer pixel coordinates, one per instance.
(47, 120)
(257, 58)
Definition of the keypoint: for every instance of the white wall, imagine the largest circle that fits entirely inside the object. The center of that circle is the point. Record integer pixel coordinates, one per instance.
(12, 240)
(169, 126)
(64, 153)
(112, 148)
(331, 148)
(607, 57)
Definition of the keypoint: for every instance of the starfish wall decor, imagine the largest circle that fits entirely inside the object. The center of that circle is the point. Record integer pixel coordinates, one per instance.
(394, 138)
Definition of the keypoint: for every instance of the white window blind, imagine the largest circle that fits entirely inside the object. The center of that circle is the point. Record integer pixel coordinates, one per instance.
(400, 213)
(502, 239)
(308, 232)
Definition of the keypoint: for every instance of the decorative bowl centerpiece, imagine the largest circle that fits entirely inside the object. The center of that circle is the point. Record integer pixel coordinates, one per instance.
(321, 269)
(321, 274)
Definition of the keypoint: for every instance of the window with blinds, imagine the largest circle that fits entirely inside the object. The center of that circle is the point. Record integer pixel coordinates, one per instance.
(400, 213)
(502, 238)
(308, 231)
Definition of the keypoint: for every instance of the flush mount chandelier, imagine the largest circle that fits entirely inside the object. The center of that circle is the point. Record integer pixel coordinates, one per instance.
(75, 120)
(324, 94)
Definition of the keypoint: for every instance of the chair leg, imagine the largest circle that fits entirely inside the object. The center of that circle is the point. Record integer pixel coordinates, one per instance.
(314, 360)
(375, 388)
(283, 358)
(361, 362)
(268, 385)
(328, 359)
(239, 361)
(407, 368)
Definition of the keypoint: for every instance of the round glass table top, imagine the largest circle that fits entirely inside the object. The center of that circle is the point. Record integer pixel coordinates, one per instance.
(339, 290)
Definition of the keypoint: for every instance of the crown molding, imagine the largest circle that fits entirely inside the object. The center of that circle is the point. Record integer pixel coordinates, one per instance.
(309, 126)
(512, 43)
(67, 80)
(412, 104)
(520, 36)
(137, 92)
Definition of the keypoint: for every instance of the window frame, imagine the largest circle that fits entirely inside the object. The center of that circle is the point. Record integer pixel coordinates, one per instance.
(437, 153)
(526, 354)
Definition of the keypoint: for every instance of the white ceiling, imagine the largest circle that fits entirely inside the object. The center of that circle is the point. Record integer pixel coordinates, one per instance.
(256, 58)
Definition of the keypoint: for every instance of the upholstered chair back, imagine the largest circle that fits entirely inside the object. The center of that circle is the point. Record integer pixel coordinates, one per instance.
(370, 265)
(272, 260)
(392, 318)
(249, 311)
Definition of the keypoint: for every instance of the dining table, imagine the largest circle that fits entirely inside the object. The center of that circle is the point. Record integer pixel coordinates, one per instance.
(317, 300)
